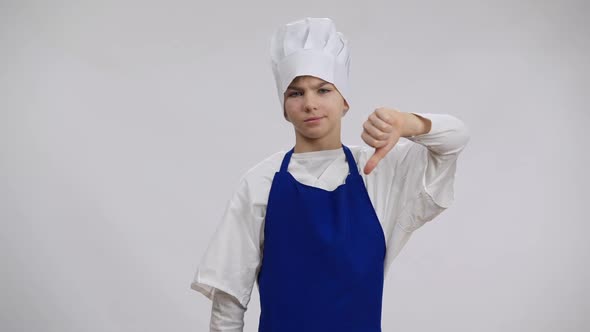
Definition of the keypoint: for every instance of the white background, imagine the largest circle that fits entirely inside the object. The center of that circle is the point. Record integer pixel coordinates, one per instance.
(125, 126)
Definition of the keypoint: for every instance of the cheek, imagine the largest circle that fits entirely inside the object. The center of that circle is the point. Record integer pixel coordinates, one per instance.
(289, 103)
(292, 105)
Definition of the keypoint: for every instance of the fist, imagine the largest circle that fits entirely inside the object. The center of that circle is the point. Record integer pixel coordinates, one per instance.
(381, 131)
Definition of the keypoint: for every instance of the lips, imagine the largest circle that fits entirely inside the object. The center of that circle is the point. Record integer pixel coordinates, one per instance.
(315, 118)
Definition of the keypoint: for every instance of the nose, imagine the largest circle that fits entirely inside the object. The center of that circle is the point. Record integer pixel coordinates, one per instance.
(310, 102)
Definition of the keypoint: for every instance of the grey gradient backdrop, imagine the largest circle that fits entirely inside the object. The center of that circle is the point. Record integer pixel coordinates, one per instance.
(125, 126)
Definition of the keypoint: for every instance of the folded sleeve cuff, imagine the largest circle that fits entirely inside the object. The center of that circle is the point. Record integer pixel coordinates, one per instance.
(447, 135)
(205, 283)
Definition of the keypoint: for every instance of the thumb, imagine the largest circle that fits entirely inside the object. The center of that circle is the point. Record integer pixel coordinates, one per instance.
(377, 156)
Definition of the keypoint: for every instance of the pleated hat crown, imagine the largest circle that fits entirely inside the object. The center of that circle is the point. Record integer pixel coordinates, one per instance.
(310, 46)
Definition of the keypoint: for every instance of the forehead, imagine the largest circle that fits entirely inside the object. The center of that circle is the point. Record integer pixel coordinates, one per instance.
(307, 80)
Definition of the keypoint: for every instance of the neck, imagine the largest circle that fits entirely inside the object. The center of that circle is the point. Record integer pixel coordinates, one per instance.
(306, 144)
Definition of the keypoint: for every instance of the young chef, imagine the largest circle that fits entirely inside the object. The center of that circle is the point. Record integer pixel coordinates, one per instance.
(318, 226)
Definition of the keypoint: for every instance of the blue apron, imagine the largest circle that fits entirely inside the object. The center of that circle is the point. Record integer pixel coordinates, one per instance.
(323, 257)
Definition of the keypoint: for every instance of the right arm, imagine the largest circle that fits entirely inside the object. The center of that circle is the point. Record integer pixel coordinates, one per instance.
(231, 261)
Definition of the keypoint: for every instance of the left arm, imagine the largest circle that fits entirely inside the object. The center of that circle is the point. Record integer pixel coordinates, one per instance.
(430, 164)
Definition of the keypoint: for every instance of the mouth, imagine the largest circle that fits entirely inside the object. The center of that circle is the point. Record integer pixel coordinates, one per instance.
(315, 119)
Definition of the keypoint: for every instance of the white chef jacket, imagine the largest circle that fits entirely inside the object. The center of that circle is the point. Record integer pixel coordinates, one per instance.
(410, 186)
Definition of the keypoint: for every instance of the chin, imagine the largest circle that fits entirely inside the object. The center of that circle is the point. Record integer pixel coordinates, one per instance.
(313, 134)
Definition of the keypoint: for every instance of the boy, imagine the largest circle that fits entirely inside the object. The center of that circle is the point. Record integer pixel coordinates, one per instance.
(318, 226)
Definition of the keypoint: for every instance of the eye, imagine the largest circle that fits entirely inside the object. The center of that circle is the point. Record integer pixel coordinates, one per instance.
(292, 94)
(326, 90)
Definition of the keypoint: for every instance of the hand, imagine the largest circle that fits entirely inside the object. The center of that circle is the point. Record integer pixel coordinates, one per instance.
(382, 130)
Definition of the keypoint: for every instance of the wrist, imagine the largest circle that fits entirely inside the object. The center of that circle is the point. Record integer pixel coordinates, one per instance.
(411, 124)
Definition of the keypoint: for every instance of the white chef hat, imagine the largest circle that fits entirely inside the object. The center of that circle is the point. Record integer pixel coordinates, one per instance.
(310, 46)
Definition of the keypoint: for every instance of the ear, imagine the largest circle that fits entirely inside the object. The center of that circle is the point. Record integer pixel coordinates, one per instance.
(346, 107)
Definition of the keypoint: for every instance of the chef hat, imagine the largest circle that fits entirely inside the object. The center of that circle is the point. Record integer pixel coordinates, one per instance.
(310, 46)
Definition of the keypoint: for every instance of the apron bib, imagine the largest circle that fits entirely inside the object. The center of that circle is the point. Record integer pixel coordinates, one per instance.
(323, 257)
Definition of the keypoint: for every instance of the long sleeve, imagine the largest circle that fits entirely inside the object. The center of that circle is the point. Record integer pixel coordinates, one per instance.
(433, 163)
(227, 315)
(448, 136)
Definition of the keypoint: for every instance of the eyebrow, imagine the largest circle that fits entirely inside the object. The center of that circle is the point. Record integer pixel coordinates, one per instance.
(294, 87)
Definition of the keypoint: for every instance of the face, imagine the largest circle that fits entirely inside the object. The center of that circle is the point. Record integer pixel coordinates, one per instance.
(314, 107)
